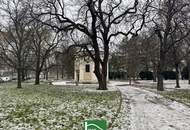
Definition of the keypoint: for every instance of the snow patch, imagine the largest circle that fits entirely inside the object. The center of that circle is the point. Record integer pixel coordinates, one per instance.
(151, 111)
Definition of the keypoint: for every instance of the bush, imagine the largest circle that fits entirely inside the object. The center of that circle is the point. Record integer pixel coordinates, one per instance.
(169, 75)
(184, 73)
(146, 75)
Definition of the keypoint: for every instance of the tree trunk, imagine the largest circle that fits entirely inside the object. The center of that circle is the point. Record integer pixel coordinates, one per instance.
(160, 83)
(130, 80)
(101, 75)
(47, 76)
(37, 78)
(19, 78)
(188, 68)
(102, 83)
(57, 68)
(37, 71)
(19, 73)
(177, 75)
(23, 75)
(62, 72)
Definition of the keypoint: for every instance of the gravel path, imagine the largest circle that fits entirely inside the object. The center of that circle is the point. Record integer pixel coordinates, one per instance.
(150, 111)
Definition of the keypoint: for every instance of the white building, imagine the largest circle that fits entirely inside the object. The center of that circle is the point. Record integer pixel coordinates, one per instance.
(84, 70)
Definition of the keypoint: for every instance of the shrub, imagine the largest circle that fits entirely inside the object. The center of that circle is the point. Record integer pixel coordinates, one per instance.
(184, 73)
(146, 75)
(169, 75)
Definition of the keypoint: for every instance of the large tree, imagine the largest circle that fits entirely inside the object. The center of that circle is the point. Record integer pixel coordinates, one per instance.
(174, 58)
(65, 61)
(15, 33)
(130, 49)
(44, 42)
(102, 21)
(150, 52)
(187, 55)
(169, 20)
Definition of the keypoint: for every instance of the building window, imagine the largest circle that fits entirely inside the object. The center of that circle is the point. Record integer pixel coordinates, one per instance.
(87, 68)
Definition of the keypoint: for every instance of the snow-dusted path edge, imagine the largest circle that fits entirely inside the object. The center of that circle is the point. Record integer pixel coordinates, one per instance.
(146, 110)
(122, 121)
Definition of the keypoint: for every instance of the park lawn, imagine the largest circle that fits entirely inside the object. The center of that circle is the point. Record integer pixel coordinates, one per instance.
(180, 95)
(46, 107)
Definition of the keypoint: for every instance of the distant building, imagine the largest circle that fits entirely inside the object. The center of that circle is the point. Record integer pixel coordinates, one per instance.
(84, 70)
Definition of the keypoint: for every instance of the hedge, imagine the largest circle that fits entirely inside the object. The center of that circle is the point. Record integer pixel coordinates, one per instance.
(146, 75)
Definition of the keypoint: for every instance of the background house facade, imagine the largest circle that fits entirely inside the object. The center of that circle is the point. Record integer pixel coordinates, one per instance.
(84, 70)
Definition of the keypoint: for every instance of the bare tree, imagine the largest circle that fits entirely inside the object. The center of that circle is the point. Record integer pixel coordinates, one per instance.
(131, 56)
(65, 61)
(44, 42)
(169, 20)
(100, 20)
(150, 52)
(174, 58)
(186, 50)
(15, 35)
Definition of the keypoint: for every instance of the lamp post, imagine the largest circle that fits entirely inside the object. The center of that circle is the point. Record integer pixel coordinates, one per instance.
(77, 70)
(77, 77)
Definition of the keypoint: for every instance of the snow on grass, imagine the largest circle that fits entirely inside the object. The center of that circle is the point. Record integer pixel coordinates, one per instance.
(52, 108)
(180, 95)
(168, 84)
(122, 121)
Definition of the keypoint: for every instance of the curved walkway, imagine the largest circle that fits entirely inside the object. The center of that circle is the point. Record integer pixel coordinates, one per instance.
(150, 111)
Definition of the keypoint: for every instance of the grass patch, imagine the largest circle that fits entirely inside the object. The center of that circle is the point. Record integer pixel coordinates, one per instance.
(45, 107)
(180, 95)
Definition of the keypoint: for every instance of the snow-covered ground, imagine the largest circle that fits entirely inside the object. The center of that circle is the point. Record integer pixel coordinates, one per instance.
(84, 87)
(167, 83)
(46, 107)
(59, 83)
(66, 107)
(151, 111)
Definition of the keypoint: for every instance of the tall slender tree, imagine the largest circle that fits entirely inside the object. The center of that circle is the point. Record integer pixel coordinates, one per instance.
(44, 42)
(169, 20)
(15, 33)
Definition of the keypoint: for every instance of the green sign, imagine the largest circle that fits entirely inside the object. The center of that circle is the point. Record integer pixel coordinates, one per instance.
(95, 125)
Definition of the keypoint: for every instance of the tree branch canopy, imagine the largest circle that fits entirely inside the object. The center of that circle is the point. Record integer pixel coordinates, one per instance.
(100, 21)
(95, 18)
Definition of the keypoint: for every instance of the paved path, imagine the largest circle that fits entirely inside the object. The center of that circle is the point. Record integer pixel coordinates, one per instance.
(150, 111)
